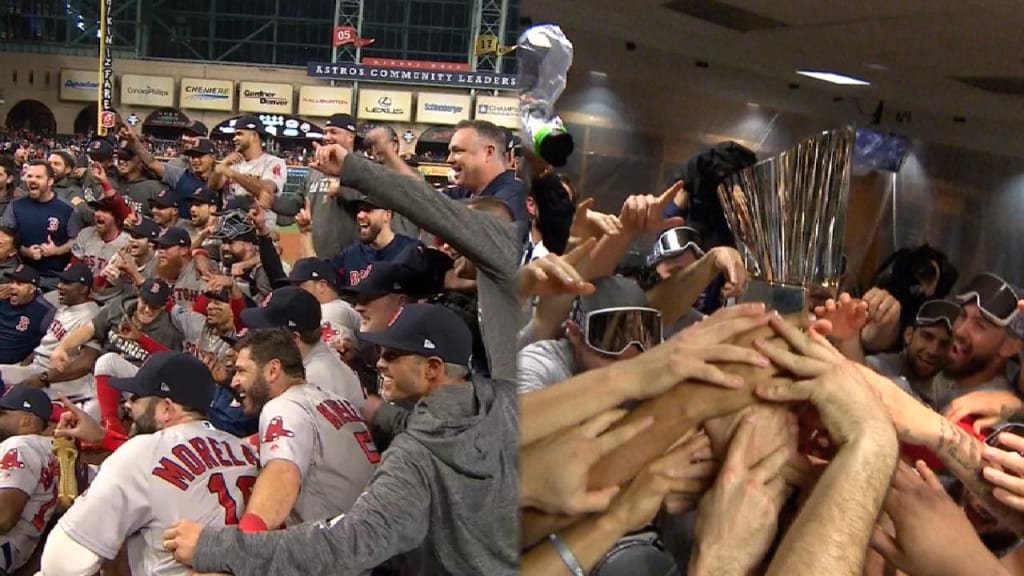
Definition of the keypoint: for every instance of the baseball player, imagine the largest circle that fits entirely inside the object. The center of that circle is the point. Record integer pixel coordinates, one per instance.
(136, 261)
(74, 380)
(176, 465)
(316, 454)
(318, 277)
(176, 265)
(251, 170)
(98, 245)
(205, 325)
(28, 475)
(24, 315)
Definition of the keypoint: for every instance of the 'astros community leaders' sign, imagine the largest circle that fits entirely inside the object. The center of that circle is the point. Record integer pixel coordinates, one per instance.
(363, 73)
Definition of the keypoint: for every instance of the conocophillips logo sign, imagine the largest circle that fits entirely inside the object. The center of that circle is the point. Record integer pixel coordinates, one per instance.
(148, 91)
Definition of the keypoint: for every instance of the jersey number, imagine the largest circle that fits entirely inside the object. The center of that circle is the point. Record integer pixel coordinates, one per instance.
(217, 486)
(366, 443)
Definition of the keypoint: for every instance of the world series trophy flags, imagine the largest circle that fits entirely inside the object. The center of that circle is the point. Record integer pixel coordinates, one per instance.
(788, 217)
(105, 102)
(545, 56)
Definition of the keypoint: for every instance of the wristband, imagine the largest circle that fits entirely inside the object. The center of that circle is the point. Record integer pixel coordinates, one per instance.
(568, 558)
(251, 523)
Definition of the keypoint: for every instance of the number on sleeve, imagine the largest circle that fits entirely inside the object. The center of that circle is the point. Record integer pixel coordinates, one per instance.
(366, 443)
(218, 487)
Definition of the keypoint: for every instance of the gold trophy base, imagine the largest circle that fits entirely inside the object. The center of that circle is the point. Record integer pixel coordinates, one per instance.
(66, 452)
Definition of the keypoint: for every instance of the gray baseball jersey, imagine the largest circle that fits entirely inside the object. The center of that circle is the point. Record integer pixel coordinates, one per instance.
(94, 252)
(325, 437)
(338, 314)
(196, 334)
(325, 370)
(188, 286)
(188, 471)
(27, 464)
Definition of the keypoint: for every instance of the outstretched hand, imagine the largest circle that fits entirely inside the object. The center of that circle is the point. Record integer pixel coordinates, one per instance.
(642, 214)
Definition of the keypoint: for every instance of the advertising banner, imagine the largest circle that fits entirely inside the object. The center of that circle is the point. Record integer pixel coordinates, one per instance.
(201, 94)
(323, 101)
(265, 97)
(437, 108)
(386, 105)
(152, 91)
(450, 79)
(501, 111)
(79, 85)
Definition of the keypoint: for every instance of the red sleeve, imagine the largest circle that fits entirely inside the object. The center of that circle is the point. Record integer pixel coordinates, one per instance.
(113, 440)
(237, 305)
(200, 305)
(151, 346)
(121, 209)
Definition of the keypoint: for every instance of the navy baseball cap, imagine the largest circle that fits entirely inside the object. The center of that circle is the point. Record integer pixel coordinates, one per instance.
(203, 147)
(178, 376)
(203, 195)
(174, 236)
(155, 292)
(343, 121)
(146, 228)
(100, 149)
(164, 199)
(289, 307)
(250, 122)
(101, 203)
(26, 274)
(306, 269)
(22, 398)
(76, 273)
(124, 152)
(384, 278)
(426, 330)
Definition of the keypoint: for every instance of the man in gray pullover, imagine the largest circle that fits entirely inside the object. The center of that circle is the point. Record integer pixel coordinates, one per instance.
(445, 494)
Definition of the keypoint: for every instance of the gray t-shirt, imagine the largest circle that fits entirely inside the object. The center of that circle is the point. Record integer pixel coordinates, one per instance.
(892, 366)
(544, 363)
(944, 389)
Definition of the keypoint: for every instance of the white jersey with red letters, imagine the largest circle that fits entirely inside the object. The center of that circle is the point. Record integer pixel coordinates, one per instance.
(27, 464)
(187, 471)
(90, 249)
(65, 321)
(325, 437)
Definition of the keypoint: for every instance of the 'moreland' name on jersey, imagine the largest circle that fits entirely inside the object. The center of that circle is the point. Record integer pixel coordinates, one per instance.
(197, 456)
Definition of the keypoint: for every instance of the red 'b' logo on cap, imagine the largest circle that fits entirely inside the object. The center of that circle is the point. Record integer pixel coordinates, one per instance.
(155, 288)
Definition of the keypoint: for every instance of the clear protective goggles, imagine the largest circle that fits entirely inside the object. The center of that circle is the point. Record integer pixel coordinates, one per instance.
(996, 299)
(612, 331)
(935, 312)
(673, 242)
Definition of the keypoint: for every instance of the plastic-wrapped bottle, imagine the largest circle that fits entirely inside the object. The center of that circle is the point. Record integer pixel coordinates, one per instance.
(545, 56)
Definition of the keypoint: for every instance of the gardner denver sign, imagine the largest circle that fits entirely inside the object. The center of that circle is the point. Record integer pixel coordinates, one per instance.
(264, 97)
(354, 72)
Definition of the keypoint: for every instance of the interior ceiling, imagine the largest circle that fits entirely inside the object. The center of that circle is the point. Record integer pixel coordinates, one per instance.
(951, 58)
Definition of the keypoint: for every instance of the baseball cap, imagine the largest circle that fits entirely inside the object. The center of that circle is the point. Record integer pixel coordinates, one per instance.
(124, 152)
(222, 295)
(76, 273)
(613, 292)
(243, 203)
(343, 121)
(22, 398)
(24, 273)
(100, 149)
(164, 199)
(288, 307)
(155, 292)
(426, 330)
(312, 268)
(358, 198)
(174, 236)
(202, 195)
(145, 228)
(203, 147)
(384, 278)
(177, 376)
(250, 122)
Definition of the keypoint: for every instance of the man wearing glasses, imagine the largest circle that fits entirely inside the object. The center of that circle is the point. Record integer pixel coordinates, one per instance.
(614, 323)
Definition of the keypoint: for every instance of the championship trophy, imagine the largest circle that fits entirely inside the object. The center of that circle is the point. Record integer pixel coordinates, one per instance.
(788, 217)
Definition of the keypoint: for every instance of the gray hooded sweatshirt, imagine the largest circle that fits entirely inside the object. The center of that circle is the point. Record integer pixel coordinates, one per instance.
(445, 495)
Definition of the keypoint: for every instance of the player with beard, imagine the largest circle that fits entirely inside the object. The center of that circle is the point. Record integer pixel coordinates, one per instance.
(316, 455)
(176, 465)
(377, 242)
(926, 347)
(75, 379)
(137, 188)
(63, 164)
(10, 178)
(239, 238)
(24, 316)
(129, 329)
(44, 223)
(250, 170)
(202, 209)
(9, 259)
(28, 475)
(176, 266)
(97, 245)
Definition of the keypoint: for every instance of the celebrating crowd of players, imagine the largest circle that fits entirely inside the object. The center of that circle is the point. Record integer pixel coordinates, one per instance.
(353, 404)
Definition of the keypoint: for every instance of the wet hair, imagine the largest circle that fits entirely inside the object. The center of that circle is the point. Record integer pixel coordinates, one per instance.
(274, 344)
